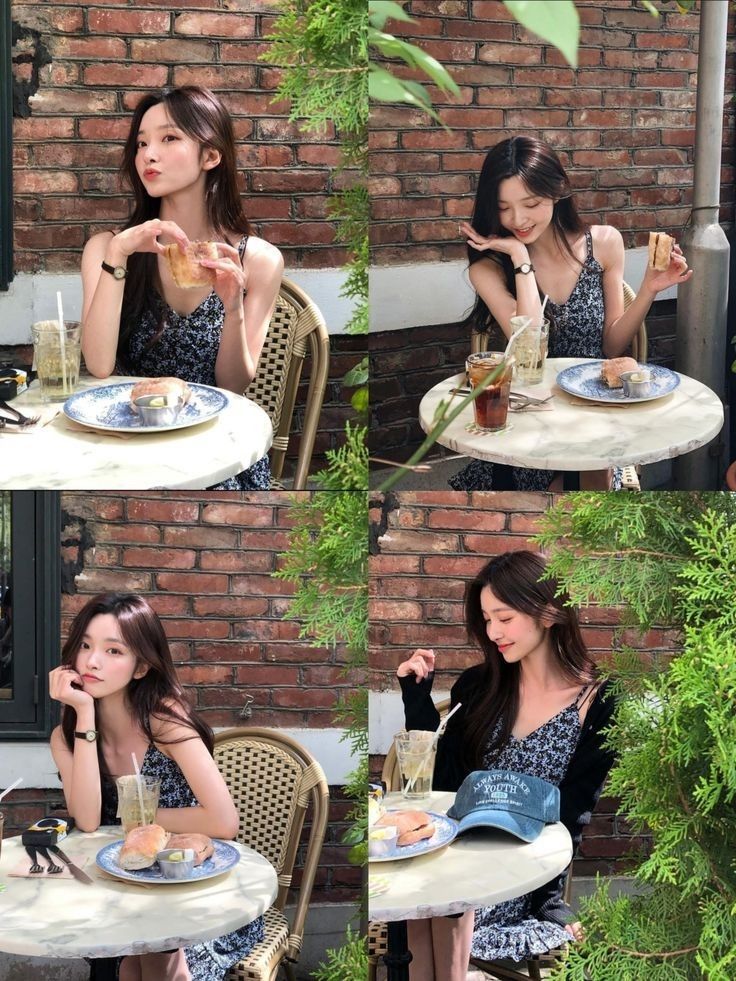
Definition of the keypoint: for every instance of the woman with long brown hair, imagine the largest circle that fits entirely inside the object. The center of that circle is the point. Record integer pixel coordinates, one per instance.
(535, 705)
(526, 240)
(180, 161)
(121, 697)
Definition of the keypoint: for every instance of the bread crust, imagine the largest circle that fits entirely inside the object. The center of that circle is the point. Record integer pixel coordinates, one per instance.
(141, 846)
(200, 844)
(185, 268)
(160, 386)
(613, 368)
(660, 250)
(412, 826)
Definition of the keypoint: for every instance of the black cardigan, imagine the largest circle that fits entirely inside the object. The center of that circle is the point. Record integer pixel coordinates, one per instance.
(580, 787)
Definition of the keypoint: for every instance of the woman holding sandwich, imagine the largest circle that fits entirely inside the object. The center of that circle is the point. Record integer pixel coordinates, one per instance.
(527, 240)
(157, 312)
(536, 706)
(121, 696)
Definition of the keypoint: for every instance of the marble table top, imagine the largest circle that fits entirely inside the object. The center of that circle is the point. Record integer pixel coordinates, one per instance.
(470, 872)
(59, 456)
(580, 435)
(47, 917)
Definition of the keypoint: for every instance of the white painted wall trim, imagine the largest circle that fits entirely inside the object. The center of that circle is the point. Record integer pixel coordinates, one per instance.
(386, 713)
(33, 761)
(32, 297)
(425, 293)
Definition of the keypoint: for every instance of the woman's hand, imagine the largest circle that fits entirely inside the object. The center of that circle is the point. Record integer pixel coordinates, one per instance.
(61, 682)
(575, 930)
(230, 282)
(144, 238)
(507, 244)
(656, 280)
(420, 664)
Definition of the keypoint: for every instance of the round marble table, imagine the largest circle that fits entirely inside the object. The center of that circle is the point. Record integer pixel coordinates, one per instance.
(581, 435)
(47, 917)
(60, 455)
(473, 871)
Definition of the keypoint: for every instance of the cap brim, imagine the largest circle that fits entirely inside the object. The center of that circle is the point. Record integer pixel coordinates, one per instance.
(516, 824)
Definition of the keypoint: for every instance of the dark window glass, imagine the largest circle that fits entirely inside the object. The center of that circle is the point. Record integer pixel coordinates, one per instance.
(29, 610)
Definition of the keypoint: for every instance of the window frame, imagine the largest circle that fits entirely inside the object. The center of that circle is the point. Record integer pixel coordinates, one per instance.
(36, 584)
(6, 148)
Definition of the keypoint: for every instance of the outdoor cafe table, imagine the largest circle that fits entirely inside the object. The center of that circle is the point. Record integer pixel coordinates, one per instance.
(54, 917)
(60, 455)
(580, 435)
(479, 870)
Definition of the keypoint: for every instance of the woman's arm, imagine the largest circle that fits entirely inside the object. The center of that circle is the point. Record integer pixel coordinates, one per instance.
(102, 294)
(79, 768)
(621, 325)
(246, 319)
(215, 813)
(579, 793)
(488, 280)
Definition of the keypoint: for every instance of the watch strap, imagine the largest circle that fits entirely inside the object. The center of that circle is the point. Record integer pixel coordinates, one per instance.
(117, 272)
(89, 735)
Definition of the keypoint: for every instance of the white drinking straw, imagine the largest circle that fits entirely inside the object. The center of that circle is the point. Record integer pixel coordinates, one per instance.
(11, 787)
(139, 781)
(62, 339)
(512, 339)
(544, 304)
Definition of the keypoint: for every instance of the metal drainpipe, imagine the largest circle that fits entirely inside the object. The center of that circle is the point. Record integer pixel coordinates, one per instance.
(702, 303)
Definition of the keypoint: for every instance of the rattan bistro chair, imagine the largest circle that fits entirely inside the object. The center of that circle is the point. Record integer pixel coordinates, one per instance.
(273, 780)
(297, 325)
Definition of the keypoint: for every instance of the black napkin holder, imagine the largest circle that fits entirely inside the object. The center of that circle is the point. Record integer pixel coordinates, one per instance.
(47, 831)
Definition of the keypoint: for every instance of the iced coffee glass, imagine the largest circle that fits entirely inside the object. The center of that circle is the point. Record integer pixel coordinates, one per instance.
(129, 801)
(56, 355)
(492, 405)
(415, 751)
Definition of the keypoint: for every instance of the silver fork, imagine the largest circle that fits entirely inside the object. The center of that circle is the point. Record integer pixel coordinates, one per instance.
(20, 419)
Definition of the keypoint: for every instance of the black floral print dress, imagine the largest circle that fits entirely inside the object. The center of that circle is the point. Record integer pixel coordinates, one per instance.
(210, 960)
(508, 930)
(575, 331)
(187, 349)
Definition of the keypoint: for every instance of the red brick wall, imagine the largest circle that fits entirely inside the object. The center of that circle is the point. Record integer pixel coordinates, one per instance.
(623, 122)
(399, 377)
(205, 562)
(86, 66)
(429, 546)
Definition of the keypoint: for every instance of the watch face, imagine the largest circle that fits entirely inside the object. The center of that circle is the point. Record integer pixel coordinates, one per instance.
(90, 735)
(119, 272)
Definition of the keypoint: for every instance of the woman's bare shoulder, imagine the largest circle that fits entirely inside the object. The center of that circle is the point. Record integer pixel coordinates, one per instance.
(607, 240)
(261, 253)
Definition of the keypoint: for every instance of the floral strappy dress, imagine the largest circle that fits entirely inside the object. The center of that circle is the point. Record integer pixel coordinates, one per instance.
(509, 930)
(576, 331)
(187, 349)
(210, 960)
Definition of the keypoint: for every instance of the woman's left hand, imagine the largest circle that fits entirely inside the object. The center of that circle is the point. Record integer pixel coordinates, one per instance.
(230, 281)
(576, 930)
(677, 273)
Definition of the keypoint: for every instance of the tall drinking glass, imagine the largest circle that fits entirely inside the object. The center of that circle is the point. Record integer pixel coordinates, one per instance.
(492, 405)
(530, 351)
(56, 356)
(415, 751)
(129, 801)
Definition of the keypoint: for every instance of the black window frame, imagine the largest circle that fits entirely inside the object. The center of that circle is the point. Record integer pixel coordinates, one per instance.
(6, 147)
(36, 584)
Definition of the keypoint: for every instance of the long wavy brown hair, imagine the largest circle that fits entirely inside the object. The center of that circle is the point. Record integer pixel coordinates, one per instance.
(541, 170)
(149, 697)
(203, 117)
(515, 578)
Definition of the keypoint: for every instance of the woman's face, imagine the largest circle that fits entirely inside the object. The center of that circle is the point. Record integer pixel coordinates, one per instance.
(525, 214)
(515, 634)
(105, 662)
(166, 158)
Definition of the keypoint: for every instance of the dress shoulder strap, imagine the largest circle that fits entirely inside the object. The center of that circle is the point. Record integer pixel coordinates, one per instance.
(241, 245)
(583, 695)
(589, 244)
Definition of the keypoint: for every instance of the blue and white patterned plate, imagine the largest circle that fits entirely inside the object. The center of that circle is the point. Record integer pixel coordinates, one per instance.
(108, 407)
(223, 859)
(584, 380)
(445, 830)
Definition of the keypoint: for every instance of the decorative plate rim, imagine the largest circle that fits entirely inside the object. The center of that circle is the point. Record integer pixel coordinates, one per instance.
(428, 844)
(672, 378)
(229, 853)
(184, 421)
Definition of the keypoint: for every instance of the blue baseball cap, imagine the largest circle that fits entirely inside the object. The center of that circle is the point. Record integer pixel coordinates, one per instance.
(513, 802)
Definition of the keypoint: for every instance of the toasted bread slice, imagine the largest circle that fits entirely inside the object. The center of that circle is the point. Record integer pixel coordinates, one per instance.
(660, 250)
